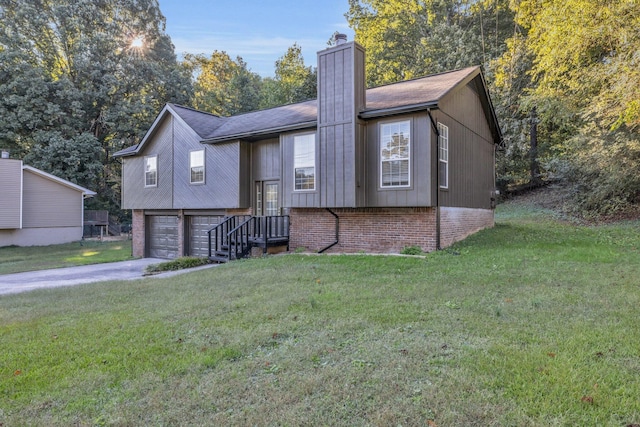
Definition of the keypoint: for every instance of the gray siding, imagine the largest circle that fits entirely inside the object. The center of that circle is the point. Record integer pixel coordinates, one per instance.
(134, 193)
(419, 192)
(172, 142)
(265, 159)
(11, 199)
(341, 95)
(471, 151)
(291, 198)
(50, 204)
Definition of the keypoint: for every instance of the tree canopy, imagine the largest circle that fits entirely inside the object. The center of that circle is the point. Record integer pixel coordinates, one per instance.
(81, 79)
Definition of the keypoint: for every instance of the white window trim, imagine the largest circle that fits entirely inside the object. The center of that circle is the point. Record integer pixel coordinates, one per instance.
(146, 172)
(443, 145)
(315, 168)
(408, 159)
(204, 162)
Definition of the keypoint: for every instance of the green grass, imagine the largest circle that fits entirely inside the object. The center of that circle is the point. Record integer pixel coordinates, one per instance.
(532, 323)
(15, 259)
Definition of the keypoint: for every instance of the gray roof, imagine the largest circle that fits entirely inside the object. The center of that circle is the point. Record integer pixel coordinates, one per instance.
(396, 98)
(267, 122)
(202, 123)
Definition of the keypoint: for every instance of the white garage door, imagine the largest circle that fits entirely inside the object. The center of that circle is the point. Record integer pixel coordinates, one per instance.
(198, 237)
(162, 236)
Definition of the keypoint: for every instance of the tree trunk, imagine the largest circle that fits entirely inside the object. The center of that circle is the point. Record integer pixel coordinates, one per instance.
(534, 166)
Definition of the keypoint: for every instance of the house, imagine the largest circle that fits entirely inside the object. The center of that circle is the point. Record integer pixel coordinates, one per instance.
(375, 170)
(37, 208)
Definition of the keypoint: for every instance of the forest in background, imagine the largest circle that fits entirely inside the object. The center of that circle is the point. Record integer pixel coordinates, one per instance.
(80, 81)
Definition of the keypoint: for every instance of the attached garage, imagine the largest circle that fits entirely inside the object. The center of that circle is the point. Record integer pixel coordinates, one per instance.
(162, 236)
(198, 237)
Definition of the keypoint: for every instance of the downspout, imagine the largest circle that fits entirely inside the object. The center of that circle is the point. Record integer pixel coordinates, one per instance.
(437, 170)
(337, 232)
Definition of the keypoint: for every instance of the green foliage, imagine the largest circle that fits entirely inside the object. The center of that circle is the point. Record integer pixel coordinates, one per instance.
(411, 250)
(223, 86)
(409, 38)
(177, 264)
(293, 81)
(75, 89)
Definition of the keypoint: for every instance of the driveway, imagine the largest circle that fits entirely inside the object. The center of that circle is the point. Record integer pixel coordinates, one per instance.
(69, 276)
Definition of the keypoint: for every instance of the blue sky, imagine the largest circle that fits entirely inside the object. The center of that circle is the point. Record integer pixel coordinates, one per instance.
(258, 31)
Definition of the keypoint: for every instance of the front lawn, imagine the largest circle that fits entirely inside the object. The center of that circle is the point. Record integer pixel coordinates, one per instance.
(15, 259)
(532, 323)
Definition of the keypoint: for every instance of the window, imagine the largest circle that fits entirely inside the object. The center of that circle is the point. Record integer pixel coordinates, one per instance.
(395, 154)
(151, 171)
(304, 161)
(443, 155)
(196, 165)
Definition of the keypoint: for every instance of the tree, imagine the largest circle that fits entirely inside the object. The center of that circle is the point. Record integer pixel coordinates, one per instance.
(411, 38)
(81, 75)
(223, 86)
(585, 86)
(293, 82)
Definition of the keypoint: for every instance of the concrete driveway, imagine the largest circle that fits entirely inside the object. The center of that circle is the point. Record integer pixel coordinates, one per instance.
(69, 276)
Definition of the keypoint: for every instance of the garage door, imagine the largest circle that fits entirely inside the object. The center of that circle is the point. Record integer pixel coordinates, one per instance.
(198, 238)
(163, 236)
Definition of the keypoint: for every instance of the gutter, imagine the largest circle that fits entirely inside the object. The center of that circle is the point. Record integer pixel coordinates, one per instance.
(398, 110)
(337, 232)
(437, 169)
(261, 132)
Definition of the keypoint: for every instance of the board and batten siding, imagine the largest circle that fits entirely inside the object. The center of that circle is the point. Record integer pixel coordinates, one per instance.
(265, 158)
(292, 198)
(49, 204)
(11, 200)
(471, 151)
(418, 193)
(341, 95)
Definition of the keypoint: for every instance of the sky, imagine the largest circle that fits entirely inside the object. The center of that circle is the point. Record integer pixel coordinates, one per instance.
(260, 31)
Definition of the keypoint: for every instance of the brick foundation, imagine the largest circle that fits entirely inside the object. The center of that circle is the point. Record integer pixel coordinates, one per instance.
(137, 233)
(375, 230)
(383, 230)
(458, 223)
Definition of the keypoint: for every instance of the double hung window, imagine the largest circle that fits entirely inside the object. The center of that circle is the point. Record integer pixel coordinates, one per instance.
(151, 171)
(196, 166)
(304, 162)
(395, 154)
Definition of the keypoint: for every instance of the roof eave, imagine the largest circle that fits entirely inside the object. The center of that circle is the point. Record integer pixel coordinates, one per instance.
(261, 133)
(404, 109)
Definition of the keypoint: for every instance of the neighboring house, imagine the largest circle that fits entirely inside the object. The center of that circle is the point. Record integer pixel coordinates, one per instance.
(37, 208)
(377, 170)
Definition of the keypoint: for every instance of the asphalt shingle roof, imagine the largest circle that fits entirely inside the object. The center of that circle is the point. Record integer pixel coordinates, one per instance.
(418, 92)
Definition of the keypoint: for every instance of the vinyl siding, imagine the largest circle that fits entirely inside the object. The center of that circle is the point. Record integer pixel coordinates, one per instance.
(291, 198)
(265, 159)
(11, 200)
(49, 204)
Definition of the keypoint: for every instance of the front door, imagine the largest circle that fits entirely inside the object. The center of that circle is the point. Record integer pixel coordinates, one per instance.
(267, 200)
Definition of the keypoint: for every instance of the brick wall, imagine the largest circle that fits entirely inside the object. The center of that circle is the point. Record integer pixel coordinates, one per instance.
(458, 223)
(137, 232)
(384, 230)
(375, 230)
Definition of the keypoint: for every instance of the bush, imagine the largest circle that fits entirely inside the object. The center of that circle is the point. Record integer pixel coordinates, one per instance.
(177, 264)
(411, 250)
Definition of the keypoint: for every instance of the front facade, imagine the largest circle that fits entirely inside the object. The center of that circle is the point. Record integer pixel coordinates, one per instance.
(377, 170)
(37, 208)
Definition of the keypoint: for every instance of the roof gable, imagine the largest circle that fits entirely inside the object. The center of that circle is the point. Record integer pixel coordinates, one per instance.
(59, 181)
(397, 98)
